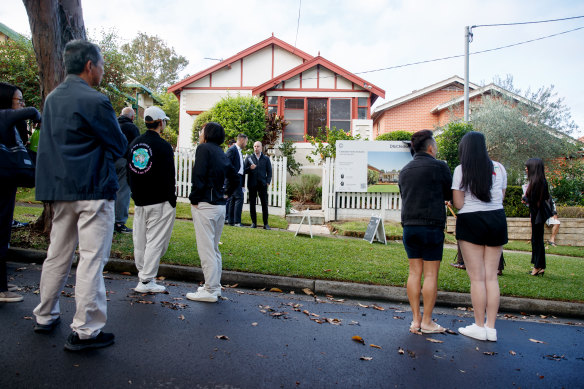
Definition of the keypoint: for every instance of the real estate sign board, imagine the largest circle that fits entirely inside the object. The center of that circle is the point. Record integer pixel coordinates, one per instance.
(365, 166)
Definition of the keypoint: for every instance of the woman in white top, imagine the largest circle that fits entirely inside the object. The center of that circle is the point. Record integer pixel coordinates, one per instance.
(481, 228)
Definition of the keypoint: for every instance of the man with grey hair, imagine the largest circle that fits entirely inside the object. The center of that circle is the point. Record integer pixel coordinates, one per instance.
(79, 142)
(129, 129)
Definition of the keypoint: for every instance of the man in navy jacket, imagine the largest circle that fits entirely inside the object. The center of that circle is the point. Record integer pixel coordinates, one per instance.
(235, 156)
(259, 175)
(79, 142)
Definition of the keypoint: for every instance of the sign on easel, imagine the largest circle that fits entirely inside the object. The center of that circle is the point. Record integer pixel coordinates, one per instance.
(305, 215)
(375, 230)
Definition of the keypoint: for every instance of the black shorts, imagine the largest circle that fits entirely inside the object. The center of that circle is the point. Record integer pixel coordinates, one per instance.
(424, 242)
(484, 228)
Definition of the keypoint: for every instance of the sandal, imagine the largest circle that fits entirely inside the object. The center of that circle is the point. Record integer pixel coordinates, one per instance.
(458, 265)
(436, 329)
(413, 329)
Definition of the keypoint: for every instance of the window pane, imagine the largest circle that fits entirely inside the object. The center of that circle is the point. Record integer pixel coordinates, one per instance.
(294, 131)
(362, 101)
(344, 125)
(362, 113)
(294, 103)
(294, 114)
(273, 100)
(340, 109)
(272, 110)
(317, 111)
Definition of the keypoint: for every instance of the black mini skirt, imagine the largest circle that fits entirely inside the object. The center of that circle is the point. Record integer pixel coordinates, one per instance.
(484, 228)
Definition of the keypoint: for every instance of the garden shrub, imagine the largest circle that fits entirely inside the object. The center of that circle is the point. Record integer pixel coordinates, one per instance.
(512, 202)
(395, 135)
(570, 211)
(306, 189)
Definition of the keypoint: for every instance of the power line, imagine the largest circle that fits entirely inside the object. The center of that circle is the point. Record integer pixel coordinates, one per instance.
(476, 52)
(535, 22)
(298, 22)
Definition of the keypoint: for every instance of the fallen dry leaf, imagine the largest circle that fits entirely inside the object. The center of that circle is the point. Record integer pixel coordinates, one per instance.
(555, 357)
(489, 352)
(126, 273)
(222, 337)
(354, 323)
(336, 322)
(308, 291)
(535, 340)
(27, 318)
(239, 292)
(161, 278)
(182, 317)
(411, 354)
(400, 350)
(276, 290)
(449, 331)
(363, 305)
(359, 339)
(254, 324)
(366, 358)
(398, 317)
(512, 352)
(434, 340)
(375, 346)
(329, 296)
(145, 302)
(378, 308)
(327, 270)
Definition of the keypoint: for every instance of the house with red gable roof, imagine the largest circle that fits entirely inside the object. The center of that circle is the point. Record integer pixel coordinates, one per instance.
(432, 106)
(310, 92)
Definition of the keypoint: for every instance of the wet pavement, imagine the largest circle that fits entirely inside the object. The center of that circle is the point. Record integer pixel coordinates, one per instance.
(263, 339)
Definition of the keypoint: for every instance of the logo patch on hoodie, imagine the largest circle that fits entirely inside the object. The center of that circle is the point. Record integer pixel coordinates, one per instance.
(141, 158)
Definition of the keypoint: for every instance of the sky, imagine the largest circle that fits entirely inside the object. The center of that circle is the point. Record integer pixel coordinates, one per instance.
(365, 35)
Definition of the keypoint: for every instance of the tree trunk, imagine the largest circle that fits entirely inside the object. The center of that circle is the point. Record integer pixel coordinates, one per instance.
(53, 23)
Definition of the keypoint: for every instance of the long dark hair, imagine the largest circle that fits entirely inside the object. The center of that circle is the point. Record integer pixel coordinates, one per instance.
(7, 94)
(477, 167)
(537, 190)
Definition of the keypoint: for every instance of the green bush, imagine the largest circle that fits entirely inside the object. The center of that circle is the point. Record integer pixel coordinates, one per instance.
(567, 181)
(200, 121)
(325, 143)
(395, 135)
(512, 202)
(570, 212)
(448, 142)
(288, 150)
(306, 189)
(241, 115)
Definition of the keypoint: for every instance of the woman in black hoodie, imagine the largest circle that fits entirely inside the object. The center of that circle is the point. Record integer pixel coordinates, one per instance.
(208, 198)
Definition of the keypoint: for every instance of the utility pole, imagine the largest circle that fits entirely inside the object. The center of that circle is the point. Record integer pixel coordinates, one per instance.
(467, 40)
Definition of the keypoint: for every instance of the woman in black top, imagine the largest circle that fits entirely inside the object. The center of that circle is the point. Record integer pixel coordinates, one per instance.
(536, 195)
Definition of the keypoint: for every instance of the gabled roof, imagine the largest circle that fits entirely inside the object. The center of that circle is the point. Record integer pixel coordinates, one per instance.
(487, 89)
(378, 92)
(424, 91)
(10, 33)
(258, 46)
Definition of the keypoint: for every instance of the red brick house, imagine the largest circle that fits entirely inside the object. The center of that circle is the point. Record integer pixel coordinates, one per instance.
(431, 107)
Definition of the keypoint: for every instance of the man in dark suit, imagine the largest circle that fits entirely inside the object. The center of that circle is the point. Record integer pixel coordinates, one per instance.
(236, 201)
(259, 170)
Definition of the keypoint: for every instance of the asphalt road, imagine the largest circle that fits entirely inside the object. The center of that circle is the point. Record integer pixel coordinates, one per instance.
(262, 339)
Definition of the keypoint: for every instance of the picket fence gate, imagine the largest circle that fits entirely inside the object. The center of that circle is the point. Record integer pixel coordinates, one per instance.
(184, 161)
(355, 205)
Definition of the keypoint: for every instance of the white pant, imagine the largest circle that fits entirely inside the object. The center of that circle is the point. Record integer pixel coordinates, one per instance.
(89, 223)
(152, 230)
(208, 220)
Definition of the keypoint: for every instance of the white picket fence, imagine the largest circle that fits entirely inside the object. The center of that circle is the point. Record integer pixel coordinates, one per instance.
(184, 161)
(355, 205)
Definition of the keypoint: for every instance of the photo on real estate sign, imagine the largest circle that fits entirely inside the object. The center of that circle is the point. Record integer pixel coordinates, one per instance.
(383, 169)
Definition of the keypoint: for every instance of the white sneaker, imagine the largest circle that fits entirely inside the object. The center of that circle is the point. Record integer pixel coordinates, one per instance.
(218, 293)
(491, 334)
(202, 295)
(10, 297)
(474, 331)
(150, 287)
(12, 288)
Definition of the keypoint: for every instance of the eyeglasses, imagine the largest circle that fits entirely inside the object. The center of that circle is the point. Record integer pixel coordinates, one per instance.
(20, 101)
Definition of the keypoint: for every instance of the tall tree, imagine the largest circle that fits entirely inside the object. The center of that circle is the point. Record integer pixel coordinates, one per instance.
(53, 23)
(153, 63)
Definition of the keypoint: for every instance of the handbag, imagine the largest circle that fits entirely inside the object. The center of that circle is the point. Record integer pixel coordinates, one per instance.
(16, 165)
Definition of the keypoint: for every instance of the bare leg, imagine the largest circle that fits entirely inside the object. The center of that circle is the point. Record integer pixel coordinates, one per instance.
(491, 257)
(413, 288)
(431, 269)
(475, 267)
(555, 229)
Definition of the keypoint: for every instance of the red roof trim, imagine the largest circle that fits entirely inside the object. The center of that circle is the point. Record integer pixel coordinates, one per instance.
(328, 65)
(258, 46)
(195, 112)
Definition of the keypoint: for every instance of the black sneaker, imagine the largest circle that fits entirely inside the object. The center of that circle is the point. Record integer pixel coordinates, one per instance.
(122, 229)
(103, 339)
(46, 328)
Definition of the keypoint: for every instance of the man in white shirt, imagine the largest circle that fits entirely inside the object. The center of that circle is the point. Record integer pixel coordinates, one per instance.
(235, 156)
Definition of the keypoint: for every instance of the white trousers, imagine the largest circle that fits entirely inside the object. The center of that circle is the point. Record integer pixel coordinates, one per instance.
(208, 220)
(89, 223)
(152, 230)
